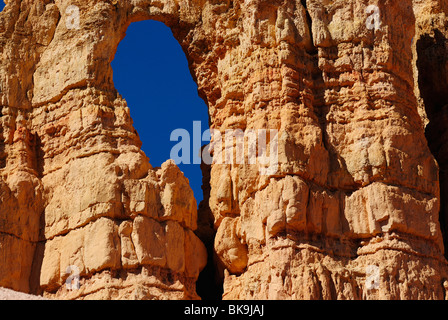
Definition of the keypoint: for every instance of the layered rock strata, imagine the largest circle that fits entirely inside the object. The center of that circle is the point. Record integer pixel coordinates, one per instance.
(79, 198)
(351, 213)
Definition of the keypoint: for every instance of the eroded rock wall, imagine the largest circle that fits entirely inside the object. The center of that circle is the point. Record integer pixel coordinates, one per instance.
(357, 187)
(79, 197)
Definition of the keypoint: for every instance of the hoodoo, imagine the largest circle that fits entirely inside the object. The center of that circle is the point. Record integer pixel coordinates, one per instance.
(355, 91)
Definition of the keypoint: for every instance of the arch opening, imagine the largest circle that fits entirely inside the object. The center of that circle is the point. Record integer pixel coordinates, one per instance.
(151, 73)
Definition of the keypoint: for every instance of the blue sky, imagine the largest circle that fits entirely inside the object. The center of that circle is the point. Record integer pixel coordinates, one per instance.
(151, 73)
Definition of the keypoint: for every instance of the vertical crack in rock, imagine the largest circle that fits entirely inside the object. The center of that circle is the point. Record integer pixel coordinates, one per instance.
(209, 286)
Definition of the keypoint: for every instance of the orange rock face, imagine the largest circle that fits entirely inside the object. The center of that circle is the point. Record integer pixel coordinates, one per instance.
(354, 209)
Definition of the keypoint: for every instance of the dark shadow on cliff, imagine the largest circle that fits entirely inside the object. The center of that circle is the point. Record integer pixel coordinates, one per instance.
(432, 64)
(40, 244)
(209, 285)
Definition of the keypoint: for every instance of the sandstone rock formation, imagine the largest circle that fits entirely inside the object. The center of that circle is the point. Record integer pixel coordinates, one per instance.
(7, 294)
(351, 213)
(79, 197)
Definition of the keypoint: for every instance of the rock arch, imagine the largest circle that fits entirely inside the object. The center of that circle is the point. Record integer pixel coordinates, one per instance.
(357, 185)
(105, 212)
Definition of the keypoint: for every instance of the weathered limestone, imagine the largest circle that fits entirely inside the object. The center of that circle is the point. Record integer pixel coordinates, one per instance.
(357, 186)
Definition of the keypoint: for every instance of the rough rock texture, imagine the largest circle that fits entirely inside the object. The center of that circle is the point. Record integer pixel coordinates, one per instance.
(6, 294)
(77, 193)
(357, 185)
